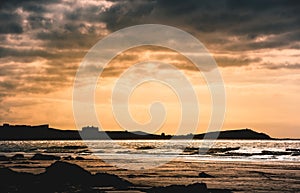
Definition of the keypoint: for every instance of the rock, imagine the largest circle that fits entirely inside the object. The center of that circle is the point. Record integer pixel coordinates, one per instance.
(196, 150)
(296, 154)
(144, 147)
(26, 162)
(64, 177)
(67, 173)
(12, 181)
(3, 158)
(111, 180)
(191, 150)
(74, 147)
(131, 176)
(292, 149)
(62, 172)
(222, 150)
(205, 175)
(18, 157)
(67, 177)
(79, 158)
(68, 158)
(193, 188)
(265, 152)
(39, 156)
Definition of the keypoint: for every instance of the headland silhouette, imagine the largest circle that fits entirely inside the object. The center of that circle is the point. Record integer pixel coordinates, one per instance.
(44, 132)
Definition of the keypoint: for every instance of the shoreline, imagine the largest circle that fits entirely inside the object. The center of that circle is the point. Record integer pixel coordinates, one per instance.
(224, 168)
(232, 176)
(70, 177)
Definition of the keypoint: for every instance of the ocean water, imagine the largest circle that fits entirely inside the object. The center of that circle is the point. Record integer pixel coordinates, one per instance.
(192, 150)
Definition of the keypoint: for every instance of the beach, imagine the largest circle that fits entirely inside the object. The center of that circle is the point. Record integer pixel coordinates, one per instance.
(220, 172)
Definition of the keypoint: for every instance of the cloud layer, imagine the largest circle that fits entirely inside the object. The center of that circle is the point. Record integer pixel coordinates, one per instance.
(43, 42)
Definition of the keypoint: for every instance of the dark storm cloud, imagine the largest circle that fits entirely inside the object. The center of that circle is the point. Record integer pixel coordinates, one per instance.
(60, 32)
(89, 13)
(37, 21)
(212, 22)
(10, 23)
(35, 8)
(68, 39)
(248, 19)
(126, 13)
(42, 24)
(6, 52)
(28, 4)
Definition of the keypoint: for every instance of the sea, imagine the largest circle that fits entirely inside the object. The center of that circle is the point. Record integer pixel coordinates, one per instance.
(189, 150)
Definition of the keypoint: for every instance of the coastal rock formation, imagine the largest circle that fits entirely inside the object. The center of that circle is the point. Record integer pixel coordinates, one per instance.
(3, 158)
(39, 156)
(196, 150)
(18, 157)
(58, 177)
(67, 177)
(205, 175)
(193, 188)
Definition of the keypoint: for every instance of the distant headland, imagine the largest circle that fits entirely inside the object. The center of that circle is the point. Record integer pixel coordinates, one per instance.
(44, 132)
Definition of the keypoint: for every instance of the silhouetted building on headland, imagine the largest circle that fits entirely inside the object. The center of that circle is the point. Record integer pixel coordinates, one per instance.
(90, 129)
(90, 132)
(44, 132)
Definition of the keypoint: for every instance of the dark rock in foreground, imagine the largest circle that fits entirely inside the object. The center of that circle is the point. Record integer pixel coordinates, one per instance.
(3, 158)
(79, 158)
(39, 156)
(74, 174)
(15, 181)
(75, 147)
(292, 149)
(265, 152)
(196, 150)
(59, 177)
(68, 158)
(145, 147)
(66, 177)
(205, 175)
(18, 157)
(193, 188)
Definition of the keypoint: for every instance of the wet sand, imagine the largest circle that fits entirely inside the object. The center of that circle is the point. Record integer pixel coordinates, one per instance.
(237, 176)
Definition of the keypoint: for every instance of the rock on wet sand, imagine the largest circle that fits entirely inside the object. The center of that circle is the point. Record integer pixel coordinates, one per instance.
(39, 156)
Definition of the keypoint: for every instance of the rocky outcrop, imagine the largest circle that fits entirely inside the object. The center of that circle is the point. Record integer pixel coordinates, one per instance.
(59, 177)
(193, 188)
(39, 156)
(205, 175)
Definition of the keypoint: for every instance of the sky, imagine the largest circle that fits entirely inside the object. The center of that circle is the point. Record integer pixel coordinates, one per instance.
(256, 45)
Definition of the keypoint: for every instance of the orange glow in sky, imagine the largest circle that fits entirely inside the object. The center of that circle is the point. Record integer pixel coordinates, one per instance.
(257, 51)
